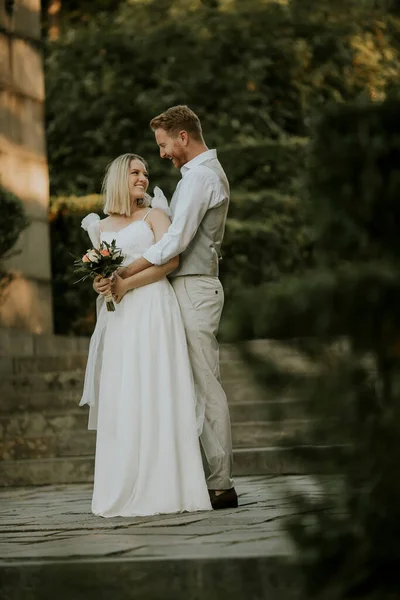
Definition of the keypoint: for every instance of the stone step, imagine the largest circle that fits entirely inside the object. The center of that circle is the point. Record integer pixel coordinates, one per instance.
(53, 546)
(230, 360)
(59, 354)
(18, 403)
(42, 423)
(194, 578)
(63, 390)
(82, 442)
(254, 461)
(66, 416)
(72, 443)
(279, 409)
(25, 365)
(14, 387)
(270, 433)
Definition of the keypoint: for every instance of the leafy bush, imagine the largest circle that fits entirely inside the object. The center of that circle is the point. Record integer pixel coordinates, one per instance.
(267, 165)
(266, 236)
(262, 69)
(13, 222)
(73, 305)
(353, 289)
(357, 193)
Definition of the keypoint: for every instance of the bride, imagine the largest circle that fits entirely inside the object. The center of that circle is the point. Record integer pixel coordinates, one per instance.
(138, 380)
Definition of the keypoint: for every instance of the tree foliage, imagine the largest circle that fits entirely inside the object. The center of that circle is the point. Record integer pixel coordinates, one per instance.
(266, 235)
(353, 289)
(256, 72)
(13, 222)
(251, 70)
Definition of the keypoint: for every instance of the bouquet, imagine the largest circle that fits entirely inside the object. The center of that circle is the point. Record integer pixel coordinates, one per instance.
(103, 261)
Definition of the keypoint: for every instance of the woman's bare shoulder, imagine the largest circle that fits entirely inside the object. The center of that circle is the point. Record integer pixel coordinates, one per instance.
(158, 216)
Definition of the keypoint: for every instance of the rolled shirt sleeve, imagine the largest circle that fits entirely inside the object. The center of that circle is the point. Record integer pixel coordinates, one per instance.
(198, 191)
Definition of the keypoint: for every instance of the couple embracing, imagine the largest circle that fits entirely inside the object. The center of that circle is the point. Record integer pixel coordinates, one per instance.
(152, 379)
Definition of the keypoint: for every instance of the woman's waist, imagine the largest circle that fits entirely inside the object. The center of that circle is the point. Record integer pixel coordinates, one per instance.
(161, 285)
(130, 258)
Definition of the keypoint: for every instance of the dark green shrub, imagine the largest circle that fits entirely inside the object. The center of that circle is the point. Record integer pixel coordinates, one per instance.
(266, 236)
(73, 305)
(13, 222)
(353, 290)
(267, 165)
(261, 71)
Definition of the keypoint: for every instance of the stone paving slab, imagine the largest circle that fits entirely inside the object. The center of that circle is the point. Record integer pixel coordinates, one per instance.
(52, 546)
(55, 522)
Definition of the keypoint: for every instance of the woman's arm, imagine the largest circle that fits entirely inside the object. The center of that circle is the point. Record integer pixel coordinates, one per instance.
(159, 223)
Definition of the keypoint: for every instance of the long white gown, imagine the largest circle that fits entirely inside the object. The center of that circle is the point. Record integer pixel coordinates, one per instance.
(140, 388)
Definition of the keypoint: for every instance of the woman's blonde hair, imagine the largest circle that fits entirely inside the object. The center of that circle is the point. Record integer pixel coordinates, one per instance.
(115, 186)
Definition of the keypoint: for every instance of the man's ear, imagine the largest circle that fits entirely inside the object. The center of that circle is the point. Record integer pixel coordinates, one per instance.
(184, 137)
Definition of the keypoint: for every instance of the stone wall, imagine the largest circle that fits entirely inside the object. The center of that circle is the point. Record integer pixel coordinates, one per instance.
(23, 164)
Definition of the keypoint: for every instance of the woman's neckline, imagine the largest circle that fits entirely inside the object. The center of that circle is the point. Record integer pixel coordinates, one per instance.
(126, 226)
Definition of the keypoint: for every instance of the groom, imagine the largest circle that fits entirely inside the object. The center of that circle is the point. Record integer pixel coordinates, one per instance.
(199, 207)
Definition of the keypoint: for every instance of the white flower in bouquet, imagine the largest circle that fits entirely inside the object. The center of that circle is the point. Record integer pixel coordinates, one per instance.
(116, 253)
(93, 255)
(103, 261)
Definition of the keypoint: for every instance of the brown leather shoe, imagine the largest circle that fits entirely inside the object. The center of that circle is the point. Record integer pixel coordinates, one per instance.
(227, 499)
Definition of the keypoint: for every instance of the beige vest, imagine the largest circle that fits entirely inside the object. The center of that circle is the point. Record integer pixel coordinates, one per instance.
(202, 255)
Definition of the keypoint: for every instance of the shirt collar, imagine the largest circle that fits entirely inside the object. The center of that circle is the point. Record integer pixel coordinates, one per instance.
(198, 160)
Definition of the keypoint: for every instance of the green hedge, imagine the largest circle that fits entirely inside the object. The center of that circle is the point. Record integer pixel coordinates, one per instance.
(266, 236)
(267, 165)
(73, 305)
(262, 69)
(353, 212)
(354, 182)
(353, 290)
(13, 222)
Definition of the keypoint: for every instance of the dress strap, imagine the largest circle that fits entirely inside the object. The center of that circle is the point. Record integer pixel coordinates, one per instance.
(146, 215)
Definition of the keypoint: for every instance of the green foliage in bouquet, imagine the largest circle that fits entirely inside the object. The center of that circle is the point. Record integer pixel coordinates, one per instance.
(103, 261)
(98, 261)
(350, 546)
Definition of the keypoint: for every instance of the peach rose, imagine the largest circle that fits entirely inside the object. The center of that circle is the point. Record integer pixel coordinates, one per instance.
(86, 258)
(105, 252)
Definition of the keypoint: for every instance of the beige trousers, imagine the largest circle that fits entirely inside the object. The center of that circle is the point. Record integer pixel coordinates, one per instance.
(201, 300)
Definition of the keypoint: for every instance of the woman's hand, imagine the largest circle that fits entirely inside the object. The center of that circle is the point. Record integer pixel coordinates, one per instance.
(102, 285)
(118, 288)
(122, 272)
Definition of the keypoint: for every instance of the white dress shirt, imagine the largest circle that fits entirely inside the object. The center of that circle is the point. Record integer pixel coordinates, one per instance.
(199, 190)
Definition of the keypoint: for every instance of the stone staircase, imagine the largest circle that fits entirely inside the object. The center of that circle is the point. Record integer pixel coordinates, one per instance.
(44, 437)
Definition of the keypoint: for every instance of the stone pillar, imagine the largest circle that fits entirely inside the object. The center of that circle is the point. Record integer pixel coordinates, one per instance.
(23, 163)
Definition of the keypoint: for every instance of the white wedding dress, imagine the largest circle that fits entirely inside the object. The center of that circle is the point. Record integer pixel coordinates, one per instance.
(140, 389)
